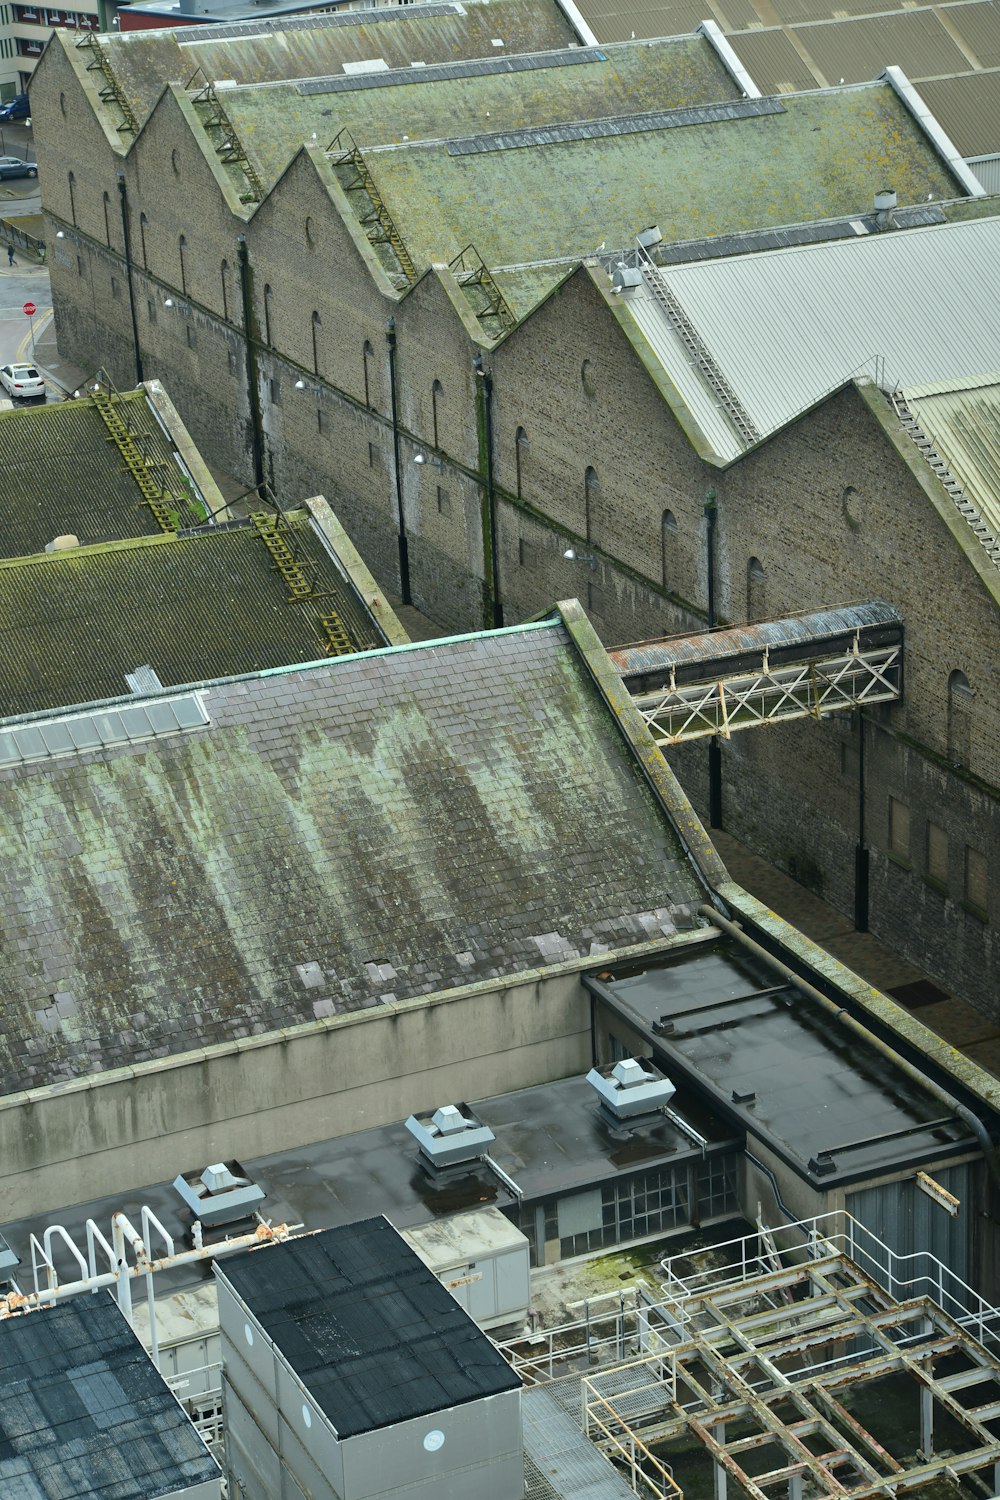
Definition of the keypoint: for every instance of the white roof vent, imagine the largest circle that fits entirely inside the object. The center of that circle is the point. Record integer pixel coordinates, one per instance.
(451, 1135)
(625, 278)
(219, 1194)
(647, 238)
(631, 1087)
(885, 199)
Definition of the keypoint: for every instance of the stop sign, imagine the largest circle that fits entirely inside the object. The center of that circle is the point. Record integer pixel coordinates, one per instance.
(30, 309)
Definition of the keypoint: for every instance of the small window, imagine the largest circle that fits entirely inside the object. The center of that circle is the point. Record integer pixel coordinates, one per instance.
(520, 458)
(62, 96)
(320, 420)
(225, 290)
(267, 314)
(274, 391)
(668, 535)
(374, 455)
(899, 829)
(107, 219)
(937, 855)
(191, 336)
(80, 268)
(591, 495)
(309, 230)
(116, 290)
(756, 589)
(72, 197)
(587, 378)
(175, 161)
(437, 392)
(317, 324)
(975, 881)
(151, 309)
(960, 707)
(443, 501)
(181, 247)
(525, 553)
(369, 355)
(232, 361)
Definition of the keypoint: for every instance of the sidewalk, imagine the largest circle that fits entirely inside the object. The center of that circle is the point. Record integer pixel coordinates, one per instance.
(954, 1021)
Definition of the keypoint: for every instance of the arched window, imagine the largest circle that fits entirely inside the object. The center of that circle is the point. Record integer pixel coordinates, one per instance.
(267, 314)
(756, 589)
(587, 378)
(369, 356)
(520, 457)
(317, 324)
(960, 696)
(72, 197)
(225, 290)
(437, 391)
(668, 533)
(591, 495)
(107, 218)
(181, 243)
(143, 221)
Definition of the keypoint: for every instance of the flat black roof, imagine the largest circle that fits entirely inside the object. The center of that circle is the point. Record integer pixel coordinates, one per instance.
(371, 1332)
(769, 1058)
(84, 1413)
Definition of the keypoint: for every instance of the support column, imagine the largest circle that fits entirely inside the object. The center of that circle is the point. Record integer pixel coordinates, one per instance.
(721, 1478)
(926, 1423)
(714, 748)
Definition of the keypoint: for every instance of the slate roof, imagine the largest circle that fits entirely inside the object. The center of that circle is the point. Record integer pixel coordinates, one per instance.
(808, 156)
(314, 46)
(207, 604)
(59, 473)
(380, 826)
(369, 1330)
(428, 103)
(85, 1416)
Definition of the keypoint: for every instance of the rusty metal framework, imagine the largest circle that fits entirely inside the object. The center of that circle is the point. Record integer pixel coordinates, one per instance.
(377, 221)
(810, 688)
(775, 1378)
(111, 92)
(229, 148)
(471, 271)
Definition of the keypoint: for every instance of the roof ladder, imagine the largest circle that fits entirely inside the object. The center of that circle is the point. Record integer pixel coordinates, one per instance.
(698, 350)
(966, 509)
(378, 222)
(112, 92)
(471, 270)
(231, 149)
(269, 528)
(137, 464)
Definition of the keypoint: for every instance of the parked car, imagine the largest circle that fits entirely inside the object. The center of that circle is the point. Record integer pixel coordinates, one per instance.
(17, 108)
(13, 166)
(23, 382)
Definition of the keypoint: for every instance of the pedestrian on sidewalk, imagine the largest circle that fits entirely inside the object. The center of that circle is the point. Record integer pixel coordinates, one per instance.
(10, 256)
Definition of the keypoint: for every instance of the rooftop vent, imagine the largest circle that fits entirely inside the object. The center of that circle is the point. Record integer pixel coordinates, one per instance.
(452, 1134)
(220, 1194)
(632, 1087)
(63, 543)
(143, 680)
(885, 199)
(625, 278)
(647, 238)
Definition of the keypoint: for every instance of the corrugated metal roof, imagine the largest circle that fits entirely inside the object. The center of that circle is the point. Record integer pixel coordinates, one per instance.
(962, 420)
(857, 50)
(786, 327)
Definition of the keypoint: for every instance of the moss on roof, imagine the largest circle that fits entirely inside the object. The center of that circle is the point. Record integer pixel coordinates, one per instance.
(340, 836)
(272, 122)
(825, 154)
(199, 606)
(315, 46)
(59, 473)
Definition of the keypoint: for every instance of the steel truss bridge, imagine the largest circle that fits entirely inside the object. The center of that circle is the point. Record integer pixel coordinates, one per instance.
(802, 666)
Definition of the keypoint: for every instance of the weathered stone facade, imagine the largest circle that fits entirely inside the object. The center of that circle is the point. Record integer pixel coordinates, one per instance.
(566, 436)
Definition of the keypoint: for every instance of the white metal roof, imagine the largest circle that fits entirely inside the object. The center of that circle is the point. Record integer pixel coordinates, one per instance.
(786, 327)
(962, 420)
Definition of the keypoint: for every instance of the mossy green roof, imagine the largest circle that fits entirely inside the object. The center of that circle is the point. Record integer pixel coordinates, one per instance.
(273, 122)
(212, 604)
(59, 473)
(364, 831)
(823, 155)
(315, 46)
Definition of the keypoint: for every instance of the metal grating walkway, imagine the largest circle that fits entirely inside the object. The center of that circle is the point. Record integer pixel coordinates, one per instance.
(559, 1462)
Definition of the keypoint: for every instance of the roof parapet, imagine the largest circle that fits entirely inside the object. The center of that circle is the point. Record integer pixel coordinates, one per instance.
(938, 137)
(713, 35)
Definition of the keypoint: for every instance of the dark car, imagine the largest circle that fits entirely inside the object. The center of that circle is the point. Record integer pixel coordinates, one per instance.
(17, 108)
(13, 166)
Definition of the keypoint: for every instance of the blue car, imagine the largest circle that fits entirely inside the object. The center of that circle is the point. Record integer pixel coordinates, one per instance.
(17, 108)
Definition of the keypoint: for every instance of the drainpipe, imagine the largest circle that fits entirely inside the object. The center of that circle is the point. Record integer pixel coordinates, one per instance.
(714, 749)
(861, 855)
(404, 545)
(249, 339)
(838, 1013)
(127, 242)
(492, 601)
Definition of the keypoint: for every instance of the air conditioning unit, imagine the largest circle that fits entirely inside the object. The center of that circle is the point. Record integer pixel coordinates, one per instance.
(219, 1194)
(631, 1087)
(451, 1135)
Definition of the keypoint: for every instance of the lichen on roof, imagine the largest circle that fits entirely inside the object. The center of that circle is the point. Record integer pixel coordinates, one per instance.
(420, 105)
(315, 46)
(821, 155)
(59, 474)
(205, 605)
(383, 826)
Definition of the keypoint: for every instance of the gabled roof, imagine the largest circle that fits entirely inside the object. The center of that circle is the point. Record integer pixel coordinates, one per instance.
(348, 834)
(206, 603)
(60, 472)
(961, 418)
(314, 46)
(784, 328)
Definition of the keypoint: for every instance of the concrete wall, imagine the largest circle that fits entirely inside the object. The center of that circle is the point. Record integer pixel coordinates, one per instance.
(122, 1130)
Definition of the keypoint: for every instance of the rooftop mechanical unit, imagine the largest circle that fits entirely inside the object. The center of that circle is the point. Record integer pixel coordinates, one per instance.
(631, 1087)
(9, 1262)
(219, 1194)
(451, 1135)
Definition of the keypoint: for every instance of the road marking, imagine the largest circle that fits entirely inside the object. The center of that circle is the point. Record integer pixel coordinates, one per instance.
(38, 330)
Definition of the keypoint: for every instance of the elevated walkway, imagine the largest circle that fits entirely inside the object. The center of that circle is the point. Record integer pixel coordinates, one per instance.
(801, 666)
